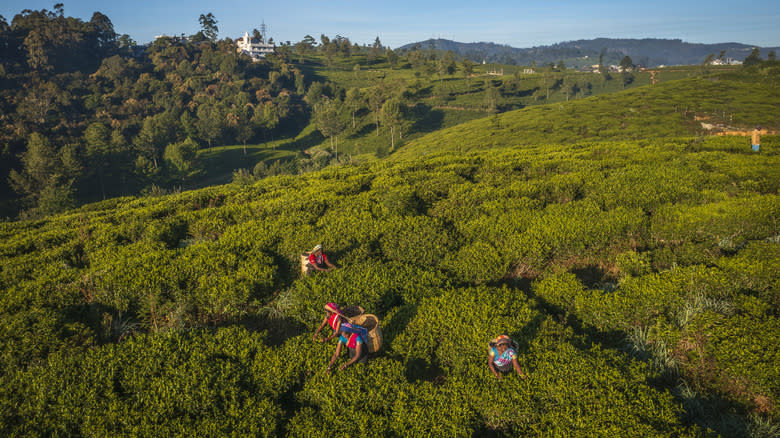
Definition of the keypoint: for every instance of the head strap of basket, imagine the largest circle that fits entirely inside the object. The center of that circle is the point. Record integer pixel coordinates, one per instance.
(332, 308)
(317, 248)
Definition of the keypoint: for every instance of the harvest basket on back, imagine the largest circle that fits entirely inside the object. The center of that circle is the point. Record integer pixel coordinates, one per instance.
(370, 323)
(304, 263)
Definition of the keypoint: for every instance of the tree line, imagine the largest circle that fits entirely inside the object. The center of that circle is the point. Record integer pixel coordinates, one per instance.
(88, 114)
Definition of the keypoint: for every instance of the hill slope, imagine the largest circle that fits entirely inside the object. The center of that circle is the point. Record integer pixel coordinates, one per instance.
(631, 272)
(727, 102)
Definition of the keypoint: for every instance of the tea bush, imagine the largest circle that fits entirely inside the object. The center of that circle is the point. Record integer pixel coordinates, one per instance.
(441, 334)
(172, 384)
(377, 287)
(477, 263)
(729, 223)
(754, 339)
(418, 240)
(754, 271)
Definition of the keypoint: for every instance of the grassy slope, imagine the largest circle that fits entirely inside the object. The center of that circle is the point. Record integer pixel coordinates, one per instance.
(221, 161)
(663, 110)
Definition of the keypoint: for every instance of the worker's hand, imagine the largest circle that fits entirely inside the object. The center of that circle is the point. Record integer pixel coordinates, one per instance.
(498, 376)
(322, 340)
(314, 338)
(341, 368)
(327, 370)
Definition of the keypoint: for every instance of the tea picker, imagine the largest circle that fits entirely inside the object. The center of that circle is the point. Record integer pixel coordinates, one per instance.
(755, 139)
(315, 261)
(334, 316)
(354, 337)
(361, 335)
(502, 357)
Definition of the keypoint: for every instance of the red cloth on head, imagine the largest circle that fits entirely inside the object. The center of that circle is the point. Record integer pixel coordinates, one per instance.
(332, 307)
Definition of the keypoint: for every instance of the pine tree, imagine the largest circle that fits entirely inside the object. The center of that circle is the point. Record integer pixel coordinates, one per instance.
(209, 25)
(753, 59)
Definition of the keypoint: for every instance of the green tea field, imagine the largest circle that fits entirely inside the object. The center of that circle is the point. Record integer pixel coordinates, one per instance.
(631, 253)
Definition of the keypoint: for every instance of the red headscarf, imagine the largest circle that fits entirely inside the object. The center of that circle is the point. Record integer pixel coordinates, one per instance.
(333, 308)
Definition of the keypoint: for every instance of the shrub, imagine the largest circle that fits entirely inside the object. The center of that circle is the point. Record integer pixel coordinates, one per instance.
(632, 263)
(178, 383)
(562, 290)
(478, 263)
(417, 240)
(243, 177)
(374, 286)
(737, 220)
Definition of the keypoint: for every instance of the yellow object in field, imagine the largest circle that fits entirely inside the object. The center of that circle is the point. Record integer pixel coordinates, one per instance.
(304, 263)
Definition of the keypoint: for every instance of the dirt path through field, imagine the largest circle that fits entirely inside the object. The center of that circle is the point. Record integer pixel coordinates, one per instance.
(745, 133)
(721, 129)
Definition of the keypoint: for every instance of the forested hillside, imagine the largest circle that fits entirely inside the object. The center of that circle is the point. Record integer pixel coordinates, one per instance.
(88, 115)
(632, 257)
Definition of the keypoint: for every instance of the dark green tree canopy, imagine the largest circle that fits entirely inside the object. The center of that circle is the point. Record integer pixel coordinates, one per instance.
(754, 58)
(626, 63)
(105, 36)
(208, 24)
(52, 43)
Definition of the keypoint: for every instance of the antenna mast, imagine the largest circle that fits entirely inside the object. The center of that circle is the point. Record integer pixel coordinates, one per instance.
(263, 29)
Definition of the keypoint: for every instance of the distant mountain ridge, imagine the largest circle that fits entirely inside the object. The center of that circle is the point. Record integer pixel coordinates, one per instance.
(650, 52)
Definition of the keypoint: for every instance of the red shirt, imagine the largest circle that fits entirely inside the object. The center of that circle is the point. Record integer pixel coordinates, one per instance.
(334, 321)
(320, 260)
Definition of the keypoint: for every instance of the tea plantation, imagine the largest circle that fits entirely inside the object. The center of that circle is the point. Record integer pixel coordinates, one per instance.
(634, 260)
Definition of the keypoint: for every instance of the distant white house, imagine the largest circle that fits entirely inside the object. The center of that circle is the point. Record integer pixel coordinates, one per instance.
(175, 38)
(618, 69)
(726, 61)
(253, 48)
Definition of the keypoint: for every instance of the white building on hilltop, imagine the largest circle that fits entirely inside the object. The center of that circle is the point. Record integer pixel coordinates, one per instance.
(253, 48)
(726, 61)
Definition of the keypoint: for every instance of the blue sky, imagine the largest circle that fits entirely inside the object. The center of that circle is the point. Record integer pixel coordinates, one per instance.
(515, 23)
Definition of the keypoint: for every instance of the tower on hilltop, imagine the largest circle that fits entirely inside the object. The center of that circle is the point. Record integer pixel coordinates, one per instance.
(263, 29)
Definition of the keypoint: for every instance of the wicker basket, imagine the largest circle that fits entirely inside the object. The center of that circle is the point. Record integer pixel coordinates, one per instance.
(370, 323)
(304, 263)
